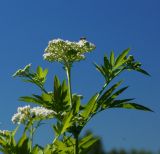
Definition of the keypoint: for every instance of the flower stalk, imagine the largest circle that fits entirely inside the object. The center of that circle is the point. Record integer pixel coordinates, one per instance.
(68, 73)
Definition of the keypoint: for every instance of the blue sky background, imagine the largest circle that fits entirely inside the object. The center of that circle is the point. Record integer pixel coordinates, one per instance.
(27, 26)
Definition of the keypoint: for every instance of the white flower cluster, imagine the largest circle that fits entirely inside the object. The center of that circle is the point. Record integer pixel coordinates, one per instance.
(5, 132)
(27, 113)
(66, 51)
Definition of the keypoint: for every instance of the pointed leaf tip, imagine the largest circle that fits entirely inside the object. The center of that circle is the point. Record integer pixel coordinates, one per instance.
(143, 71)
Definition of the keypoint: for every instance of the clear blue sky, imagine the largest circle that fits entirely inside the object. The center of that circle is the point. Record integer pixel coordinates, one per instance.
(27, 26)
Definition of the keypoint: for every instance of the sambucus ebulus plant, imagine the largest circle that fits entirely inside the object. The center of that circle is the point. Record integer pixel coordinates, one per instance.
(64, 105)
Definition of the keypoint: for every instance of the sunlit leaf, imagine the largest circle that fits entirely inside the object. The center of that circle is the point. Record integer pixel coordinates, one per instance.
(90, 107)
(67, 122)
(120, 60)
(40, 71)
(112, 58)
(108, 92)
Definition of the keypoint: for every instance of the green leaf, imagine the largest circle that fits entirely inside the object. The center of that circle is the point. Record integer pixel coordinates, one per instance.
(87, 143)
(131, 106)
(67, 122)
(28, 99)
(3, 142)
(13, 141)
(107, 73)
(108, 92)
(60, 145)
(76, 103)
(120, 60)
(62, 148)
(57, 129)
(47, 97)
(85, 139)
(117, 93)
(31, 100)
(45, 100)
(142, 71)
(109, 101)
(48, 149)
(90, 107)
(45, 72)
(56, 83)
(106, 69)
(23, 145)
(100, 69)
(37, 150)
(112, 58)
(57, 89)
(60, 128)
(40, 71)
(22, 140)
(65, 94)
(61, 96)
(121, 101)
(106, 62)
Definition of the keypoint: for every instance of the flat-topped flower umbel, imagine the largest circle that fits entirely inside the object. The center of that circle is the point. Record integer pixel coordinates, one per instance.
(67, 52)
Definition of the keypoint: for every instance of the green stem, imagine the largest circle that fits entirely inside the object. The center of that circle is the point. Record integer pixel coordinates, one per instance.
(103, 88)
(68, 72)
(100, 93)
(31, 136)
(76, 149)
